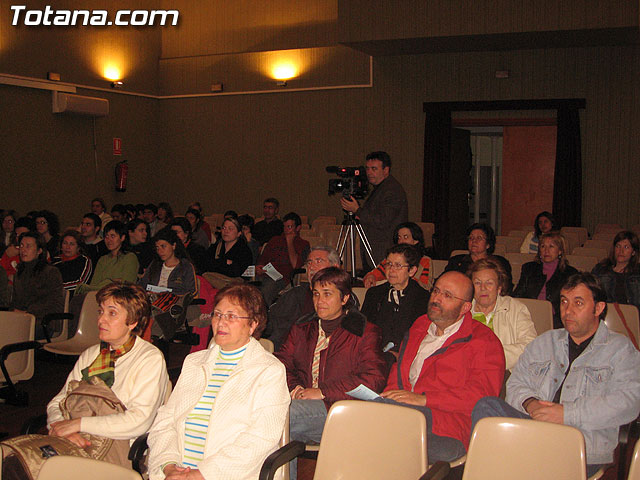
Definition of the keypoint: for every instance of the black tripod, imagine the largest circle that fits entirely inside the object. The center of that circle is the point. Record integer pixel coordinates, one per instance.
(349, 224)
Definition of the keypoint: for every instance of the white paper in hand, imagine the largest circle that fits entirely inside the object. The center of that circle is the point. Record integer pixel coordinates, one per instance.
(270, 270)
(362, 393)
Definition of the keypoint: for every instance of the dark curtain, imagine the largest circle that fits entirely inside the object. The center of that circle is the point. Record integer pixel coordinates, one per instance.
(435, 186)
(567, 185)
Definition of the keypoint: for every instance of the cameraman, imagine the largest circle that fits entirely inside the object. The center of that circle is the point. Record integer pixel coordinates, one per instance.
(385, 207)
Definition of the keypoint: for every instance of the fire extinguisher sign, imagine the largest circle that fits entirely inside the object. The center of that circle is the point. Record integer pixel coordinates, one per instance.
(117, 146)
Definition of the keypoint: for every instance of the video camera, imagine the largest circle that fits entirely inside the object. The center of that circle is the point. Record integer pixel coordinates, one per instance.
(352, 181)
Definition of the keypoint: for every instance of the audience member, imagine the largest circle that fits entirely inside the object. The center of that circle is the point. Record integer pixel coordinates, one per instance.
(328, 353)
(385, 207)
(139, 211)
(74, 266)
(48, 226)
(581, 375)
(229, 257)
(138, 231)
(285, 252)
(198, 234)
(93, 245)
(151, 217)
(543, 277)
(448, 362)
(117, 265)
(229, 407)
(131, 368)
(7, 225)
(11, 257)
(197, 253)
(481, 241)
(407, 233)
(131, 211)
(175, 276)
(298, 301)
(545, 222)
(271, 226)
(507, 317)
(37, 286)
(247, 223)
(396, 304)
(619, 274)
(165, 213)
(119, 212)
(203, 224)
(98, 207)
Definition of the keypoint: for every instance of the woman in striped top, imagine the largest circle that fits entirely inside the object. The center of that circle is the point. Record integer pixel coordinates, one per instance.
(228, 410)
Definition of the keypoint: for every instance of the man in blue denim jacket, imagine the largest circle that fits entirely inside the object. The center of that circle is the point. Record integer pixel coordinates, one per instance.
(582, 375)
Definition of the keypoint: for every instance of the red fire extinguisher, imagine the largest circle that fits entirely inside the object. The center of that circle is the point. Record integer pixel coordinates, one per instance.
(122, 169)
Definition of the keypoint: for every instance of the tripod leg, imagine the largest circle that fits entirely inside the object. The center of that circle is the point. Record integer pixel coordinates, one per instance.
(352, 251)
(365, 242)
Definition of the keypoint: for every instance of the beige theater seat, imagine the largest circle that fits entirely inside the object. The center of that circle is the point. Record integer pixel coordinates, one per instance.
(87, 333)
(79, 468)
(541, 313)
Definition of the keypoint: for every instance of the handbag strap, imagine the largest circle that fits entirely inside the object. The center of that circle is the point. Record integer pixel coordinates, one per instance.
(616, 305)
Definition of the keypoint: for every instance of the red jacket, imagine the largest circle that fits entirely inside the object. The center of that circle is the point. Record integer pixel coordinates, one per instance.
(354, 356)
(469, 366)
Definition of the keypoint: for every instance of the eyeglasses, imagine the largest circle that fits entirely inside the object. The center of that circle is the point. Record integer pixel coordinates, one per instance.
(446, 295)
(396, 266)
(317, 261)
(230, 317)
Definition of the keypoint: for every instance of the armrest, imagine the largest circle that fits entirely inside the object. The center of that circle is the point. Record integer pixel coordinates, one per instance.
(438, 471)
(198, 301)
(13, 348)
(280, 457)
(50, 317)
(136, 452)
(34, 424)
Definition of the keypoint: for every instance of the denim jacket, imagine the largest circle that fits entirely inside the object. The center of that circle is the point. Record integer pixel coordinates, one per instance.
(601, 391)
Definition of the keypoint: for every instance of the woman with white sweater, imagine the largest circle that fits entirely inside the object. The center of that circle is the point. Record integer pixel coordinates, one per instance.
(228, 410)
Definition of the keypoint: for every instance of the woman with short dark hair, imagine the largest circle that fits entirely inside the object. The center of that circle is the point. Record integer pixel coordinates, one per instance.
(75, 267)
(229, 406)
(229, 257)
(48, 226)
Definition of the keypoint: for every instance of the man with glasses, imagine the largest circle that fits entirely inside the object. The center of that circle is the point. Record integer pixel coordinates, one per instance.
(298, 301)
(446, 363)
(396, 304)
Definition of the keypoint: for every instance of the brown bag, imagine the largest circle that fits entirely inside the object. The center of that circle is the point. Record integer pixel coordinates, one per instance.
(93, 398)
(23, 456)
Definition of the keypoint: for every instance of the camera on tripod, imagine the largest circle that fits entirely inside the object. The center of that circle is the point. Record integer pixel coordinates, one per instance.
(352, 181)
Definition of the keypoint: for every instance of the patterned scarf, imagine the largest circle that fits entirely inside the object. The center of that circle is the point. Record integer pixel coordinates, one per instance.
(104, 364)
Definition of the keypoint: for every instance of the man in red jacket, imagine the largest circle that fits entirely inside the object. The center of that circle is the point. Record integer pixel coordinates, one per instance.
(445, 365)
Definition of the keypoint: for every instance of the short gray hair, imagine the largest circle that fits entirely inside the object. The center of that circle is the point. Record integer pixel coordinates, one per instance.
(332, 254)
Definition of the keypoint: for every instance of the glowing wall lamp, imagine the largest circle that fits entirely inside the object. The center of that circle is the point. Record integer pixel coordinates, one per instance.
(113, 73)
(283, 72)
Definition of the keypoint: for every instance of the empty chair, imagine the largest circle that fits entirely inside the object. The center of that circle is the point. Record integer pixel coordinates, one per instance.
(80, 468)
(541, 313)
(517, 257)
(368, 440)
(573, 240)
(608, 227)
(17, 345)
(582, 263)
(631, 319)
(428, 229)
(582, 233)
(607, 236)
(87, 333)
(519, 234)
(597, 244)
(508, 448)
(599, 253)
(511, 244)
(437, 268)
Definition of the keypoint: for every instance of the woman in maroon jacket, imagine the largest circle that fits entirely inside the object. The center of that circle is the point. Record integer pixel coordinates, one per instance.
(328, 353)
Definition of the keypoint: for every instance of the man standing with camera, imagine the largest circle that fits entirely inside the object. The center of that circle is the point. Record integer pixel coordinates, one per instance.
(385, 207)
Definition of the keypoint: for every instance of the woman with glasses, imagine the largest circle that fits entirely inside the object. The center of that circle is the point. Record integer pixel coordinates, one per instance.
(328, 353)
(229, 257)
(481, 242)
(507, 317)
(619, 273)
(228, 410)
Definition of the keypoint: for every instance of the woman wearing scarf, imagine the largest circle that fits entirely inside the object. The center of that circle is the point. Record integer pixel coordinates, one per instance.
(132, 368)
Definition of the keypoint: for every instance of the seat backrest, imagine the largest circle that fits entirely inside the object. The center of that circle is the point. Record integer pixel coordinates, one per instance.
(614, 322)
(634, 467)
(520, 257)
(601, 227)
(582, 263)
(372, 440)
(582, 232)
(458, 252)
(541, 313)
(500, 447)
(511, 244)
(500, 250)
(603, 244)
(437, 268)
(267, 344)
(519, 234)
(87, 333)
(573, 241)
(79, 468)
(18, 327)
(605, 236)
(360, 292)
(599, 253)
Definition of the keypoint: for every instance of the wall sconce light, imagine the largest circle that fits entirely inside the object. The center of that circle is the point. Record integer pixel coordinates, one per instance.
(54, 77)
(281, 83)
(117, 84)
(283, 72)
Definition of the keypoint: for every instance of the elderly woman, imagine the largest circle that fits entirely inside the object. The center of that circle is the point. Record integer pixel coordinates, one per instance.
(508, 318)
(619, 274)
(407, 233)
(230, 256)
(228, 410)
(328, 353)
(132, 368)
(544, 277)
(74, 266)
(545, 223)
(481, 242)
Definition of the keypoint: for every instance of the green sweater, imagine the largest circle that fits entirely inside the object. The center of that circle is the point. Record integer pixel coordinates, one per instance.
(110, 268)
